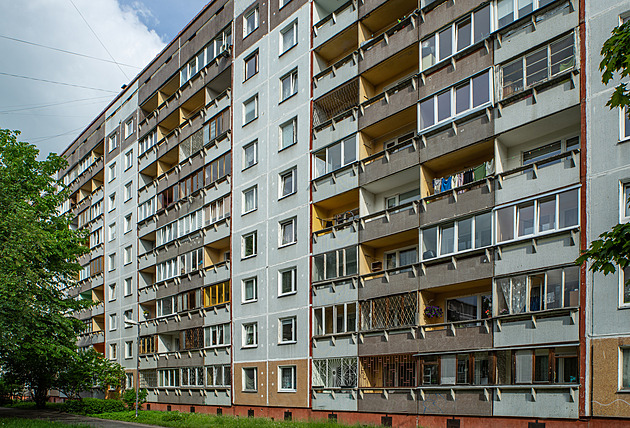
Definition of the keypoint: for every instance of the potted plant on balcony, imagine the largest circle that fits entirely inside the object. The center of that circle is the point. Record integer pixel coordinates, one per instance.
(431, 311)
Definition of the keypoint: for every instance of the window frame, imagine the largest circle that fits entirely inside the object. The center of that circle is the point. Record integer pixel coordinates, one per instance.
(344, 163)
(254, 281)
(254, 333)
(293, 271)
(624, 189)
(294, 136)
(292, 77)
(128, 291)
(254, 237)
(128, 159)
(422, 250)
(292, 322)
(281, 180)
(622, 286)
(293, 371)
(243, 385)
(254, 191)
(111, 172)
(256, 14)
(128, 128)
(127, 255)
(112, 322)
(254, 145)
(254, 56)
(128, 349)
(291, 27)
(281, 227)
(515, 12)
(254, 100)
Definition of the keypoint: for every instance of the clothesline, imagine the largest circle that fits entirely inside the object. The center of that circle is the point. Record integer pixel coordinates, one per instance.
(456, 180)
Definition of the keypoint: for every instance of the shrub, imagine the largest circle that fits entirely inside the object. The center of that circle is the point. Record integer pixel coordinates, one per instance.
(129, 398)
(174, 416)
(93, 406)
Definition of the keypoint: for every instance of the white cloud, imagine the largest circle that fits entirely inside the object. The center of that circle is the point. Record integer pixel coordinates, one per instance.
(58, 24)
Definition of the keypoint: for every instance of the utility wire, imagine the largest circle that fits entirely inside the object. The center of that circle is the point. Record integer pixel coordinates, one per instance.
(67, 52)
(38, 139)
(57, 83)
(99, 40)
(11, 109)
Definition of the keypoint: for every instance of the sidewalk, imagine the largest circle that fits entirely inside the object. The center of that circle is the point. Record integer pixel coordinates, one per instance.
(66, 418)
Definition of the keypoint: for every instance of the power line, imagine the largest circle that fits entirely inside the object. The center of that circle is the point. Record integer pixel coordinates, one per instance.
(99, 40)
(31, 140)
(67, 52)
(57, 83)
(23, 107)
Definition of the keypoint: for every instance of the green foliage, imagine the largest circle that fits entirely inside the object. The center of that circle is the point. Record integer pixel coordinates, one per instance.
(175, 416)
(129, 398)
(616, 60)
(93, 406)
(87, 370)
(38, 253)
(610, 250)
(35, 423)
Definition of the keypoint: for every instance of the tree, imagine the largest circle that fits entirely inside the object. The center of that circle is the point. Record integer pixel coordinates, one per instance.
(38, 253)
(88, 370)
(613, 247)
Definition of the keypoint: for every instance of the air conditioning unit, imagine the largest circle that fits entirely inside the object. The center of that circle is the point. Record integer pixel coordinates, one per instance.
(376, 266)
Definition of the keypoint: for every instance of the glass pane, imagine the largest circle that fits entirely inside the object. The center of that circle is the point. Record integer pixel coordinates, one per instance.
(541, 368)
(536, 286)
(562, 57)
(536, 67)
(461, 309)
(428, 53)
(462, 99)
(523, 366)
(525, 7)
(462, 368)
(482, 369)
(482, 23)
(429, 243)
(464, 29)
(444, 106)
(287, 184)
(547, 214)
(446, 43)
(250, 111)
(625, 369)
(448, 370)
(505, 12)
(483, 230)
(427, 113)
(572, 286)
(320, 163)
(349, 150)
(331, 265)
(568, 208)
(464, 234)
(626, 285)
(512, 78)
(351, 261)
(505, 224)
(447, 241)
(318, 268)
(503, 294)
(408, 257)
(334, 157)
(540, 153)
(553, 299)
(481, 89)
(525, 219)
(626, 200)
(287, 134)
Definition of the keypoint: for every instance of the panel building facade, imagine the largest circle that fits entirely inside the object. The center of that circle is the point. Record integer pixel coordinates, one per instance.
(364, 211)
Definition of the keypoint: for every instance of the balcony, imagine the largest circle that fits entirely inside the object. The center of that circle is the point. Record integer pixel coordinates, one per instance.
(334, 21)
(396, 158)
(336, 182)
(335, 292)
(387, 282)
(455, 336)
(553, 326)
(474, 197)
(219, 103)
(391, 101)
(456, 269)
(335, 345)
(337, 74)
(401, 218)
(334, 401)
(91, 339)
(537, 401)
(217, 231)
(388, 44)
(217, 273)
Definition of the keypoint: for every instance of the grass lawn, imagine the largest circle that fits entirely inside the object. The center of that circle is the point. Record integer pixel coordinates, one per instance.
(195, 420)
(35, 423)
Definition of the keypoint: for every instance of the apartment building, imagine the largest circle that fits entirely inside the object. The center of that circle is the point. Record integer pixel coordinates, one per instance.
(366, 211)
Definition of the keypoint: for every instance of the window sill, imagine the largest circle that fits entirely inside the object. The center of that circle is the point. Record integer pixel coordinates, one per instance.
(250, 77)
(288, 98)
(251, 32)
(287, 245)
(288, 50)
(248, 257)
(249, 391)
(287, 195)
(290, 391)
(249, 121)
(249, 346)
(249, 166)
(247, 302)
(290, 293)
(250, 211)
(293, 342)
(286, 147)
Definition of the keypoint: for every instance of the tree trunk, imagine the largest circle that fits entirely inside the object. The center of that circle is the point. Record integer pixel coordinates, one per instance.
(40, 396)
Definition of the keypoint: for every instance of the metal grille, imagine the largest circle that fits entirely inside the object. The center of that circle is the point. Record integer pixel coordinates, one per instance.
(148, 379)
(335, 373)
(389, 312)
(337, 102)
(390, 371)
(193, 338)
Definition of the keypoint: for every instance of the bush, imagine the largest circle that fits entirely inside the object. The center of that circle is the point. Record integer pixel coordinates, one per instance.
(93, 406)
(129, 398)
(174, 416)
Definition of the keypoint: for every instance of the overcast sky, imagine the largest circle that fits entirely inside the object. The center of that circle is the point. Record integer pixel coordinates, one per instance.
(110, 40)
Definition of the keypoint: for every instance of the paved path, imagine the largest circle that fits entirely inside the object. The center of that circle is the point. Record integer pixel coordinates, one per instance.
(67, 418)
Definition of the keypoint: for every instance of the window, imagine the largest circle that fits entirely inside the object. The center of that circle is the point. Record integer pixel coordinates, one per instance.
(193, 338)
(111, 232)
(287, 330)
(166, 306)
(218, 210)
(509, 11)
(288, 85)
(250, 290)
(402, 198)
(168, 378)
(111, 172)
(192, 376)
(542, 215)
(288, 232)
(218, 168)
(128, 128)
(250, 22)
(189, 300)
(250, 199)
(471, 94)
(113, 354)
(212, 130)
(127, 223)
(147, 142)
(405, 257)
(288, 37)
(128, 286)
(336, 156)
(288, 133)
(112, 292)
(218, 335)
(538, 66)
(219, 375)
(248, 244)
(341, 318)
(287, 378)
(129, 350)
(288, 279)
(250, 154)
(96, 237)
(250, 379)
(111, 262)
(250, 109)
(112, 142)
(147, 209)
(167, 270)
(147, 345)
(217, 294)
(335, 372)
(456, 37)
(624, 203)
(96, 209)
(127, 191)
(191, 183)
(128, 317)
(283, 3)
(111, 204)
(129, 378)
(128, 159)
(127, 255)
(334, 264)
(113, 322)
(552, 289)
(468, 308)
(250, 334)
(462, 235)
(251, 65)
(624, 121)
(288, 183)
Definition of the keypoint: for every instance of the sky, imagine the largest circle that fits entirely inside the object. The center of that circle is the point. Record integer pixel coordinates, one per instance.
(63, 61)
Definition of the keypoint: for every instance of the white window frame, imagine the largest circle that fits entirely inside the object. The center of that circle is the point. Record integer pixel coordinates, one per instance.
(396, 254)
(111, 232)
(111, 202)
(111, 295)
(292, 321)
(111, 172)
(128, 191)
(292, 78)
(113, 351)
(128, 318)
(112, 142)
(535, 6)
(249, 14)
(128, 349)
(128, 286)
(254, 191)
(128, 255)
(254, 326)
(622, 286)
(113, 322)
(254, 100)
(243, 386)
(127, 225)
(291, 27)
(254, 55)
(620, 386)
(293, 273)
(111, 262)
(281, 226)
(283, 129)
(254, 282)
(293, 173)
(128, 159)
(283, 3)
(624, 186)
(335, 316)
(253, 145)
(128, 128)
(244, 237)
(343, 161)
(293, 371)
(456, 223)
